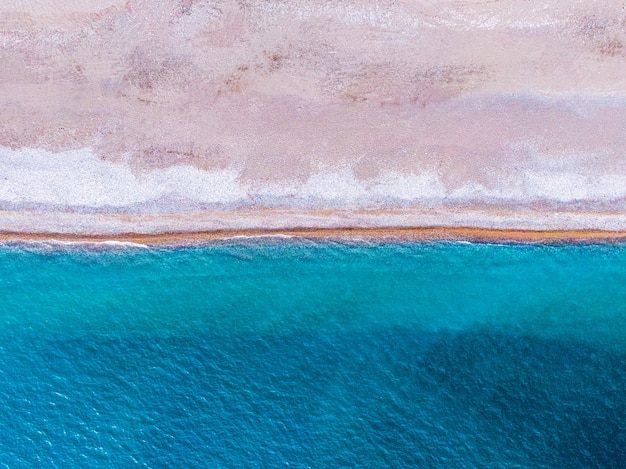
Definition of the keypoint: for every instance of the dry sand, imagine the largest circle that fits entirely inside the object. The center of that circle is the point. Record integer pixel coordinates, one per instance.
(155, 116)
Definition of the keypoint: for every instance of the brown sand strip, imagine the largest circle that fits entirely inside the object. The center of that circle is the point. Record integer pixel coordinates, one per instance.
(403, 233)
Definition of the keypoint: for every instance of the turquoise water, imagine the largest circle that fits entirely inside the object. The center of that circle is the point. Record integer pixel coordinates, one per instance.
(292, 353)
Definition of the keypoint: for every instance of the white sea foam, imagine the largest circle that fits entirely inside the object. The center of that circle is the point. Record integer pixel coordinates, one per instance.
(337, 186)
(123, 244)
(79, 179)
(113, 244)
(53, 245)
(273, 235)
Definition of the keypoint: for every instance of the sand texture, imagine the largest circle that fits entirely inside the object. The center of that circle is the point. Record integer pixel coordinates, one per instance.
(154, 116)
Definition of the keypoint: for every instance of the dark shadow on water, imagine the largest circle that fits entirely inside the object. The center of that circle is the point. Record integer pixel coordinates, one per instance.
(557, 403)
(377, 397)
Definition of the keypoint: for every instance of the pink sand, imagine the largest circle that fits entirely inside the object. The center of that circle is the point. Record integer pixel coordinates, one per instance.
(159, 115)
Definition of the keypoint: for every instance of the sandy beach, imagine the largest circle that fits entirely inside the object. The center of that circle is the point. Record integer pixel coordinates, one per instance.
(155, 117)
(417, 234)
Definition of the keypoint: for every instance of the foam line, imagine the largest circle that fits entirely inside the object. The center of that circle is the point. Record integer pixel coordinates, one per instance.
(79, 179)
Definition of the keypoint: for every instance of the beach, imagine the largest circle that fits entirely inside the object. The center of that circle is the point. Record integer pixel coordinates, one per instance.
(419, 234)
(195, 117)
(312, 233)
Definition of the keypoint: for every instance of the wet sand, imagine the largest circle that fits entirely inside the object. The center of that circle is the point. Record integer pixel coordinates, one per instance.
(372, 234)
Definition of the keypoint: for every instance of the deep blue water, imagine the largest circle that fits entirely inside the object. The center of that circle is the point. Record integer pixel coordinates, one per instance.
(301, 354)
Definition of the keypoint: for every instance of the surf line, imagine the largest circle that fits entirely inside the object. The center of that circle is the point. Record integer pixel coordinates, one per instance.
(429, 233)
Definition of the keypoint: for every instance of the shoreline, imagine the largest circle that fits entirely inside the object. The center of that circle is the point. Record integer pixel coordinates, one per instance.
(314, 120)
(417, 233)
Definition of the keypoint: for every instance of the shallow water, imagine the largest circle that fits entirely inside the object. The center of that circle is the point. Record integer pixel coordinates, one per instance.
(274, 352)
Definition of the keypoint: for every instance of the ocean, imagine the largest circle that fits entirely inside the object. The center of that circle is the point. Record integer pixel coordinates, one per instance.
(296, 353)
